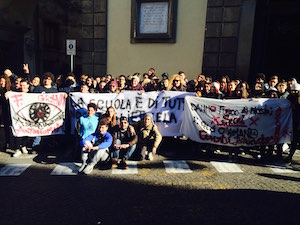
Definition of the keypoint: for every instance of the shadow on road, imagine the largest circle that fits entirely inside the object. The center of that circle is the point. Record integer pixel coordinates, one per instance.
(92, 200)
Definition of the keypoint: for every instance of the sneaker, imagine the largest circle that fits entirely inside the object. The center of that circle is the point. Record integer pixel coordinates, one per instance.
(150, 156)
(123, 165)
(24, 150)
(82, 167)
(88, 169)
(17, 153)
(114, 163)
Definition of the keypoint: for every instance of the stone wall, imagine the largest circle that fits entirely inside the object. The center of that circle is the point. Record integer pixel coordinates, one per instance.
(221, 37)
(87, 24)
(82, 20)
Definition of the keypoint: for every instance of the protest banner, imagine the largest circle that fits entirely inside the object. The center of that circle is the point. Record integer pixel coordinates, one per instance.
(237, 122)
(167, 107)
(37, 114)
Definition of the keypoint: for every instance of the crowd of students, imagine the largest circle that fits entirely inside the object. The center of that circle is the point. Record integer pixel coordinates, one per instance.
(202, 86)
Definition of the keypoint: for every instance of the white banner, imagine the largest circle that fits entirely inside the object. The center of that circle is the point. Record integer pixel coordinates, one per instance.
(238, 122)
(167, 107)
(35, 114)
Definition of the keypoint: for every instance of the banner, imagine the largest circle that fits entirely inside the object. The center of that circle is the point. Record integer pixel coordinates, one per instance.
(35, 114)
(238, 122)
(167, 107)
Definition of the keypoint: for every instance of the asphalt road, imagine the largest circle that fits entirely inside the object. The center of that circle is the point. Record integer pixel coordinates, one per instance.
(205, 196)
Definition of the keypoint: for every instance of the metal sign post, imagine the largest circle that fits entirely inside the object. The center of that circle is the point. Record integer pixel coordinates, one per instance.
(71, 51)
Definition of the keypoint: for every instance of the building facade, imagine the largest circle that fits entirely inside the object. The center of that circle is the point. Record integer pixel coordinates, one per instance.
(234, 37)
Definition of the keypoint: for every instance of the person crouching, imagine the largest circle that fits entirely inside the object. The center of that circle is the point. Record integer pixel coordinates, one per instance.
(125, 140)
(95, 148)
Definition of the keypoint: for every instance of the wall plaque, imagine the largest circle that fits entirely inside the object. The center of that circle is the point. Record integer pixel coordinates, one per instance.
(153, 21)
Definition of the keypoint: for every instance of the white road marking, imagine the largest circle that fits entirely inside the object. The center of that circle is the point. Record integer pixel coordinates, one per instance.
(132, 169)
(282, 170)
(226, 167)
(64, 169)
(13, 169)
(177, 166)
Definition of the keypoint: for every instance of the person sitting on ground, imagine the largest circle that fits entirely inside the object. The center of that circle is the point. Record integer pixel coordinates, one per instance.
(125, 140)
(149, 138)
(95, 148)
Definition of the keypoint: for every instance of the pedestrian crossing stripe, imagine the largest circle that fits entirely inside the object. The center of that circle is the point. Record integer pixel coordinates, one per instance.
(13, 169)
(171, 166)
(132, 169)
(177, 166)
(66, 169)
(226, 167)
(283, 170)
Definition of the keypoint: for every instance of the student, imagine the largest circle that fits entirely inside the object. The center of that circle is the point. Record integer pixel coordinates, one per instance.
(88, 123)
(125, 140)
(149, 138)
(21, 142)
(5, 86)
(177, 83)
(294, 98)
(95, 148)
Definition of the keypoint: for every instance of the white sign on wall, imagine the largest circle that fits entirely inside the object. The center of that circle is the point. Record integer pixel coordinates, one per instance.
(71, 47)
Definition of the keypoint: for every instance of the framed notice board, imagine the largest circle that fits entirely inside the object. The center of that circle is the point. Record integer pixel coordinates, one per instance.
(153, 21)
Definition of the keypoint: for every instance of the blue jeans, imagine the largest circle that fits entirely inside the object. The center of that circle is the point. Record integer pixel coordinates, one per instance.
(36, 141)
(127, 155)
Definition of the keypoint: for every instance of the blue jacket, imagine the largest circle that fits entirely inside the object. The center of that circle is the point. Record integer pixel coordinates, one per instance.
(102, 141)
(88, 125)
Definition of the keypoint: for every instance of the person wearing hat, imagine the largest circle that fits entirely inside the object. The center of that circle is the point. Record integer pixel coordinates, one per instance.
(113, 87)
(165, 76)
(294, 98)
(272, 92)
(215, 91)
(135, 84)
(190, 86)
(124, 143)
(149, 138)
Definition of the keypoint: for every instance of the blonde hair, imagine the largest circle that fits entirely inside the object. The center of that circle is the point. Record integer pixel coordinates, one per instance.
(173, 77)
